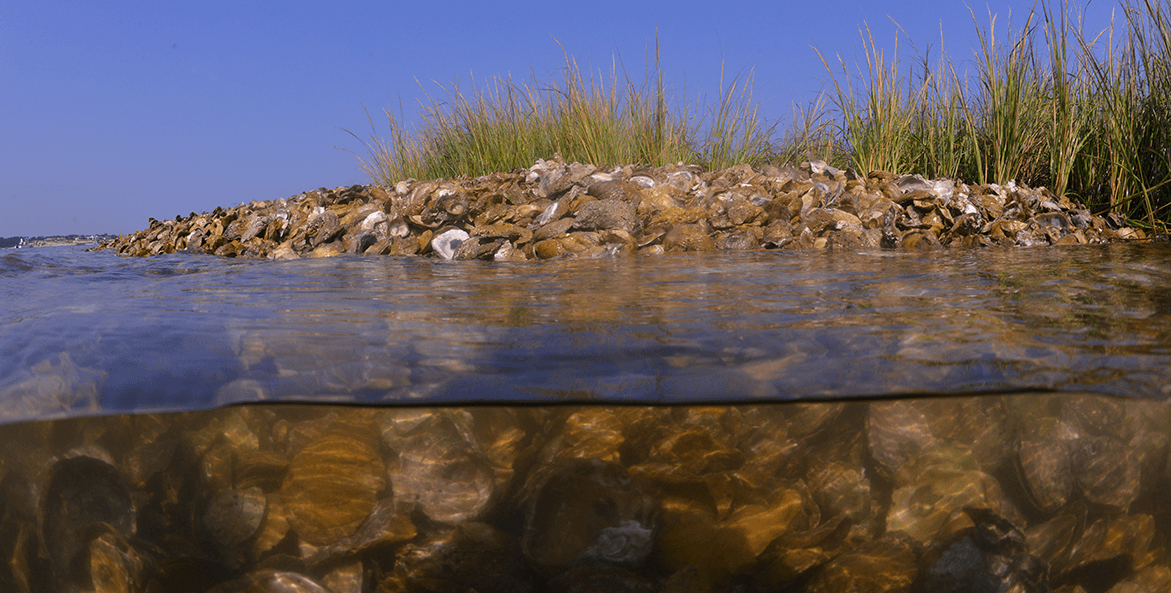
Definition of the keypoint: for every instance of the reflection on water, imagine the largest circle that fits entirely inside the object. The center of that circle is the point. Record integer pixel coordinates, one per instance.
(1024, 493)
(92, 332)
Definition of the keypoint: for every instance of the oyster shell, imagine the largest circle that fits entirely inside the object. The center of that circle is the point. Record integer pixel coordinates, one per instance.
(441, 467)
(333, 483)
(874, 496)
(270, 581)
(587, 508)
(82, 495)
(886, 565)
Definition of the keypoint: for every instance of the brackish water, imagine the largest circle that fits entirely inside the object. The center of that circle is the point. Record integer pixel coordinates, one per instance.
(122, 470)
(88, 332)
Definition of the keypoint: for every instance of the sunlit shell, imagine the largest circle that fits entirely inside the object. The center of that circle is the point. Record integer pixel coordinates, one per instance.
(898, 432)
(1106, 471)
(386, 524)
(937, 487)
(1127, 537)
(333, 483)
(787, 510)
(271, 582)
(841, 490)
(440, 467)
(1045, 469)
(114, 566)
(883, 566)
(1054, 539)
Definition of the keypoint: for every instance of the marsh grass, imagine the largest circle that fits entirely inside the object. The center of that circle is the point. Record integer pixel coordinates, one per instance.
(1045, 104)
(583, 118)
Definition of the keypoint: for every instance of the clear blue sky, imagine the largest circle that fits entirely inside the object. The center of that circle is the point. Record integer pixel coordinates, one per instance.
(111, 113)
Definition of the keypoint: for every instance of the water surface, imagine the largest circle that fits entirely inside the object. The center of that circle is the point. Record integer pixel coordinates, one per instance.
(92, 332)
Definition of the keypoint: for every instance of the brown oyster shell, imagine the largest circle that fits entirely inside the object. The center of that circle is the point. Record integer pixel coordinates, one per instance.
(587, 508)
(440, 467)
(333, 483)
(270, 581)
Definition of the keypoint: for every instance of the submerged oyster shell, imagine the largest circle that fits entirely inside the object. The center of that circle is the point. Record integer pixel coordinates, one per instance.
(271, 582)
(913, 496)
(473, 556)
(83, 498)
(333, 483)
(883, 566)
(441, 468)
(587, 508)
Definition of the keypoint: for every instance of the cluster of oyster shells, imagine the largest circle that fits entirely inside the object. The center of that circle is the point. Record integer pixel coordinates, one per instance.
(556, 209)
(1024, 493)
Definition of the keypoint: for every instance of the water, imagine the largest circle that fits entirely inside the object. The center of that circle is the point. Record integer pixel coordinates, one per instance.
(121, 470)
(88, 332)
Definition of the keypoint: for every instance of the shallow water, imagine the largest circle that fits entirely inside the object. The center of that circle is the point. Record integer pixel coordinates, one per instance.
(1033, 481)
(101, 333)
(92, 332)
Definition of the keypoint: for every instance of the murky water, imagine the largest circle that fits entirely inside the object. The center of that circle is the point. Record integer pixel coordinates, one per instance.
(824, 474)
(90, 331)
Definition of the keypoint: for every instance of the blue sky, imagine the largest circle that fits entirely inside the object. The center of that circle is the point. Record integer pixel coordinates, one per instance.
(111, 113)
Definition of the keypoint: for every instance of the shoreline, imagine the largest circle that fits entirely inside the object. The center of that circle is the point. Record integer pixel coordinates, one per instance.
(556, 209)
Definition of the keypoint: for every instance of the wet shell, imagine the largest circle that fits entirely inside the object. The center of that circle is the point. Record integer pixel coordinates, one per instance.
(587, 508)
(271, 582)
(333, 484)
(883, 566)
(471, 557)
(83, 494)
(441, 468)
(231, 519)
(1045, 470)
(1106, 471)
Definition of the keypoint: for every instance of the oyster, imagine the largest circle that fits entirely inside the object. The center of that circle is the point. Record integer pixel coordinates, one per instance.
(923, 495)
(681, 209)
(441, 467)
(991, 556)
(886, 565)
(271, 582)
(587, 508)
(83, 495)
(231, 519)
(334, 483)
(473, 556)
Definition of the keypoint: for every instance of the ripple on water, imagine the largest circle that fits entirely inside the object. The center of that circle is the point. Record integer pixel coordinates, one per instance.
(189, 332)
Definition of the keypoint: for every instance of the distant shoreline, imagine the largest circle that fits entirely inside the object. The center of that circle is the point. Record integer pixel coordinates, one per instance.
(53, 241)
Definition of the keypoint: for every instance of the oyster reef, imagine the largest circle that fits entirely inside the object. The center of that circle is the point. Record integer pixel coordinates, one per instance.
(555, 210)
(1026, 492)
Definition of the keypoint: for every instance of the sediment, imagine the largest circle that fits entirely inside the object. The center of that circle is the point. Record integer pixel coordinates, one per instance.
(556, 209)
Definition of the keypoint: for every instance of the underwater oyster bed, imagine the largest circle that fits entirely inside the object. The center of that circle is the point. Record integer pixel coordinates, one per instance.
(555, 209)
(1024, 492)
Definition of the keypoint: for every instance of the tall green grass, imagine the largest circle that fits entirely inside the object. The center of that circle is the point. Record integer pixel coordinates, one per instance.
(1045, 104)
(582, 118)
